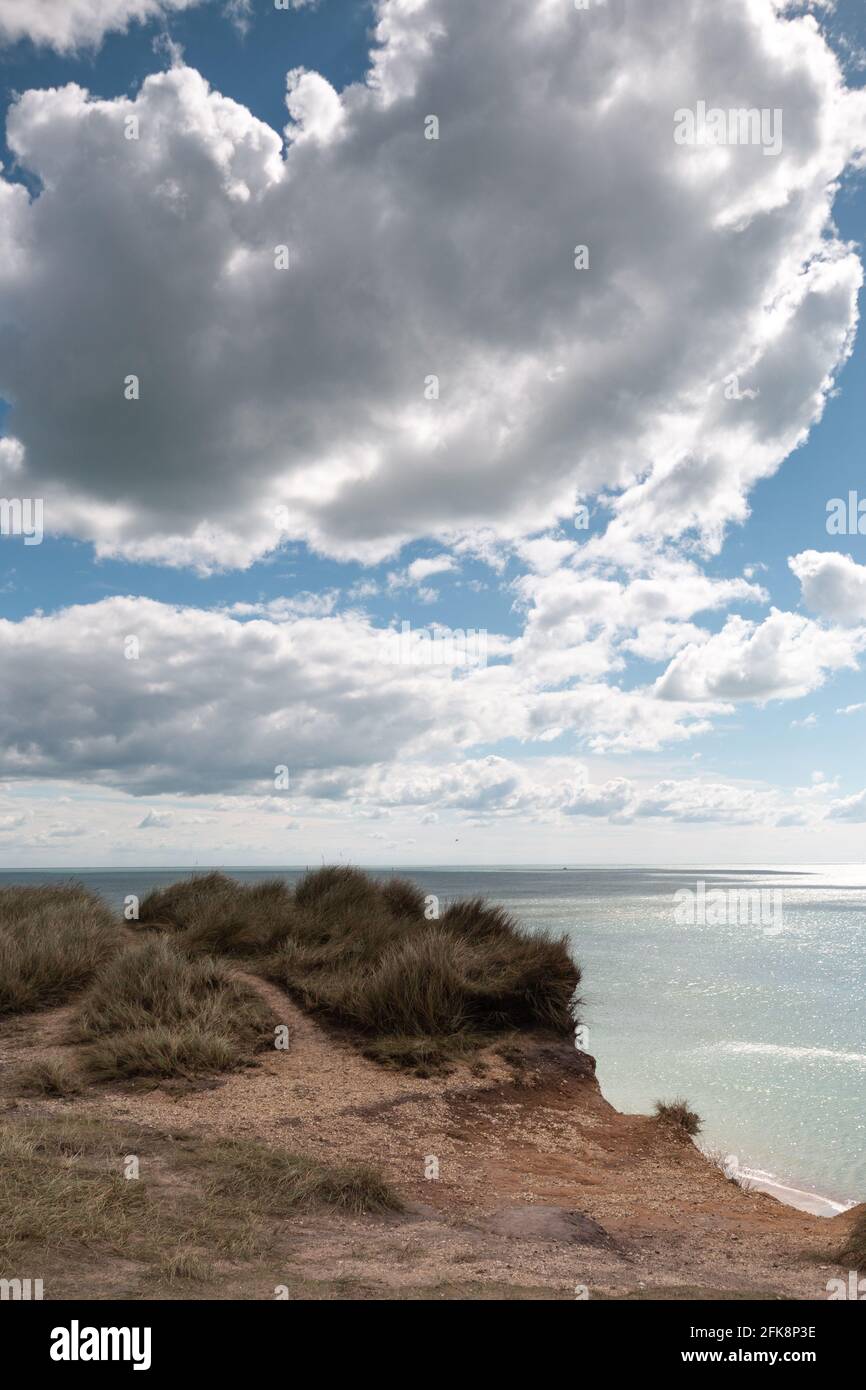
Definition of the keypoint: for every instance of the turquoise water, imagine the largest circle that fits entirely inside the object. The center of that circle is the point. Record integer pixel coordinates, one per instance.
(763, 1032)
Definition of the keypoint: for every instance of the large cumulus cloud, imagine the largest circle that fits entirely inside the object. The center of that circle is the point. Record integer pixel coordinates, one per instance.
(303, 389)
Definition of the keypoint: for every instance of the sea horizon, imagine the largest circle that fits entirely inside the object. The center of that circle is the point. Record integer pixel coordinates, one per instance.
(482, 866)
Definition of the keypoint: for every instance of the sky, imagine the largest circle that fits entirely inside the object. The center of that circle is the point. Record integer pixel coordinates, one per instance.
(422, 441)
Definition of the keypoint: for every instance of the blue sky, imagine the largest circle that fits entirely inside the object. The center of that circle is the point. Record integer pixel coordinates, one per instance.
(746, 744)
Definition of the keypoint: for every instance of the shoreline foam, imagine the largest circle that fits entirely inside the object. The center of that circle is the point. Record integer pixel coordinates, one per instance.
(812, 1202)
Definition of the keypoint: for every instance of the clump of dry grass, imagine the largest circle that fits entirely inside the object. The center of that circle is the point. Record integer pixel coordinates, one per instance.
(51, 1077)
(52, 941)
(173, 906)
(163, 1052)
(155, 1012)
(274, 1183)
(361, 953)
(679, 1114)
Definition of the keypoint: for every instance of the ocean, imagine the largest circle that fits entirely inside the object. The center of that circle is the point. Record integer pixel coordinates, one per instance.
(753, 1009)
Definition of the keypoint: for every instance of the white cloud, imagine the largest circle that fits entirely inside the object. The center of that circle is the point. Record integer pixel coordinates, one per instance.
(240, 13)
(833, 585)
(70, 24)
(554, 383)
(219, 699)
(215, 702)
(419, 570)
(549, 789)
(849, 808)
(783, 657)
(303, 605)
(435, 564)
(582, 623)
(290, 405)
(314, 107)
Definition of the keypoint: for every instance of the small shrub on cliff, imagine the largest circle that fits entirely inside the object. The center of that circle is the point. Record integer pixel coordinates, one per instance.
(678, 1113)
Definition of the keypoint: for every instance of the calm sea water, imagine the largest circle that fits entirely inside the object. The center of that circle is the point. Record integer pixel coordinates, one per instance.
(763, 1031)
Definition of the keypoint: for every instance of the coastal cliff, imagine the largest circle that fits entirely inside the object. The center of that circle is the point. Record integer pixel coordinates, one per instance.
(185, 1169)
(518, 1180)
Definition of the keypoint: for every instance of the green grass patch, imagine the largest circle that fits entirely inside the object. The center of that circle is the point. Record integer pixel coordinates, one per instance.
(52, 1198)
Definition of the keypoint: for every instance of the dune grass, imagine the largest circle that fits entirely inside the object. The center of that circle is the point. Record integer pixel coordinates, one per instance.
(154, 1011)
(217, 915)
(52, 942)
(414, 989)
(365, 956)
